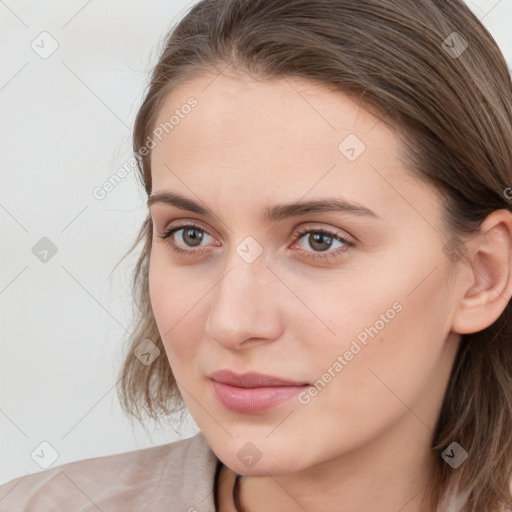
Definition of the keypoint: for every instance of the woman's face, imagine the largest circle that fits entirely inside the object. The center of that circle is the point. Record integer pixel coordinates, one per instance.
(271, 288)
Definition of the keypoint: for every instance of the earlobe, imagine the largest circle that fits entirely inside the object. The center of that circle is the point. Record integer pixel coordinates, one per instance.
(489, 287)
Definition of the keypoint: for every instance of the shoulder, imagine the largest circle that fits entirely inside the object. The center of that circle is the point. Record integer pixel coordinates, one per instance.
(156, 478)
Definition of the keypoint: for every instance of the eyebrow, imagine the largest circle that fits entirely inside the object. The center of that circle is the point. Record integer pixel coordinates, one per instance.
(271, 214)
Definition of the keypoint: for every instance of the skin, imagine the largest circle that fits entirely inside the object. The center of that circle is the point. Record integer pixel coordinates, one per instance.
(362, 443)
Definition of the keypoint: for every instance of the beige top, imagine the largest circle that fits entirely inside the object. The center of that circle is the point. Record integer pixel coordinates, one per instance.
(174, 477)
(178, 476)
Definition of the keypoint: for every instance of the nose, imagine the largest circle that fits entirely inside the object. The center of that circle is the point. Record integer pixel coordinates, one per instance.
(245, 306)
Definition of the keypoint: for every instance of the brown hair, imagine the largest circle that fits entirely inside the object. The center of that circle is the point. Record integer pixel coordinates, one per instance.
(451, 105)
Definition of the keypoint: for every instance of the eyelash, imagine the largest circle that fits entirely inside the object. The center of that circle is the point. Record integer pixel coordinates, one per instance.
(297, 235)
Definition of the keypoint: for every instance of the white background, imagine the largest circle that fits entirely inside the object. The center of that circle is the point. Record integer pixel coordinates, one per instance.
(65, 128)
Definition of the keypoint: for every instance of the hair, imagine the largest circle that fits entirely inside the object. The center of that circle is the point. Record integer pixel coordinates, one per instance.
(453, 113)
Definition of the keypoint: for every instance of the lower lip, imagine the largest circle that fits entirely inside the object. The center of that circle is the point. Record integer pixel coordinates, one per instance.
(253, 400)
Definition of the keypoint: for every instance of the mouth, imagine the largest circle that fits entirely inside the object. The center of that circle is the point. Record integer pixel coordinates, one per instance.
(251, 393)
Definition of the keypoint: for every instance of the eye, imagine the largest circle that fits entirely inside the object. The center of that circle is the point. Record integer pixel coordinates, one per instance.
(192, 234)
(321, 240)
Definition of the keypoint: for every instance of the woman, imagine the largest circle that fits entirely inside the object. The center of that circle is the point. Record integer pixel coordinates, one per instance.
(325, 276)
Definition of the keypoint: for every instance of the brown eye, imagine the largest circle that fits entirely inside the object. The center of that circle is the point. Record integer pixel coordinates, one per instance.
(321, 241)
(190, 236)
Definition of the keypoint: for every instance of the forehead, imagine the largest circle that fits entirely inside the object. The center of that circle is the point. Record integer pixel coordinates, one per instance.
(251, 139)
(237, 109)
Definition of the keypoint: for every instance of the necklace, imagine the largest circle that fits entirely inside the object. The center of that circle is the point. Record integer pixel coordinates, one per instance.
(236, 495)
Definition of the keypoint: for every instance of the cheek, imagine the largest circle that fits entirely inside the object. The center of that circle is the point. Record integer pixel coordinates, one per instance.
(174, 301)
(388, 351)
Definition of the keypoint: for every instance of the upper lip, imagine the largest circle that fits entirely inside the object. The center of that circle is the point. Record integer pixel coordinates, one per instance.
(251, 379)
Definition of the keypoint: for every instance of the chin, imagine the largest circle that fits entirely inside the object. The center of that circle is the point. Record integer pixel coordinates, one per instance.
(260, 458)
(276, 465)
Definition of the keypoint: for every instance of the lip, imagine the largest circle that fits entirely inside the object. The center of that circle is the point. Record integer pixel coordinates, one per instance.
(252, 379)
(251, 393)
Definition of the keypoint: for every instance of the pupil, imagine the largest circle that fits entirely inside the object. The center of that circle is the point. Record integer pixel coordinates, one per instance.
(320, 236)
(195, 238)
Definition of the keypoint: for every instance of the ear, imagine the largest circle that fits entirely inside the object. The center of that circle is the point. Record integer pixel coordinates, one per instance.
(488, 287)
